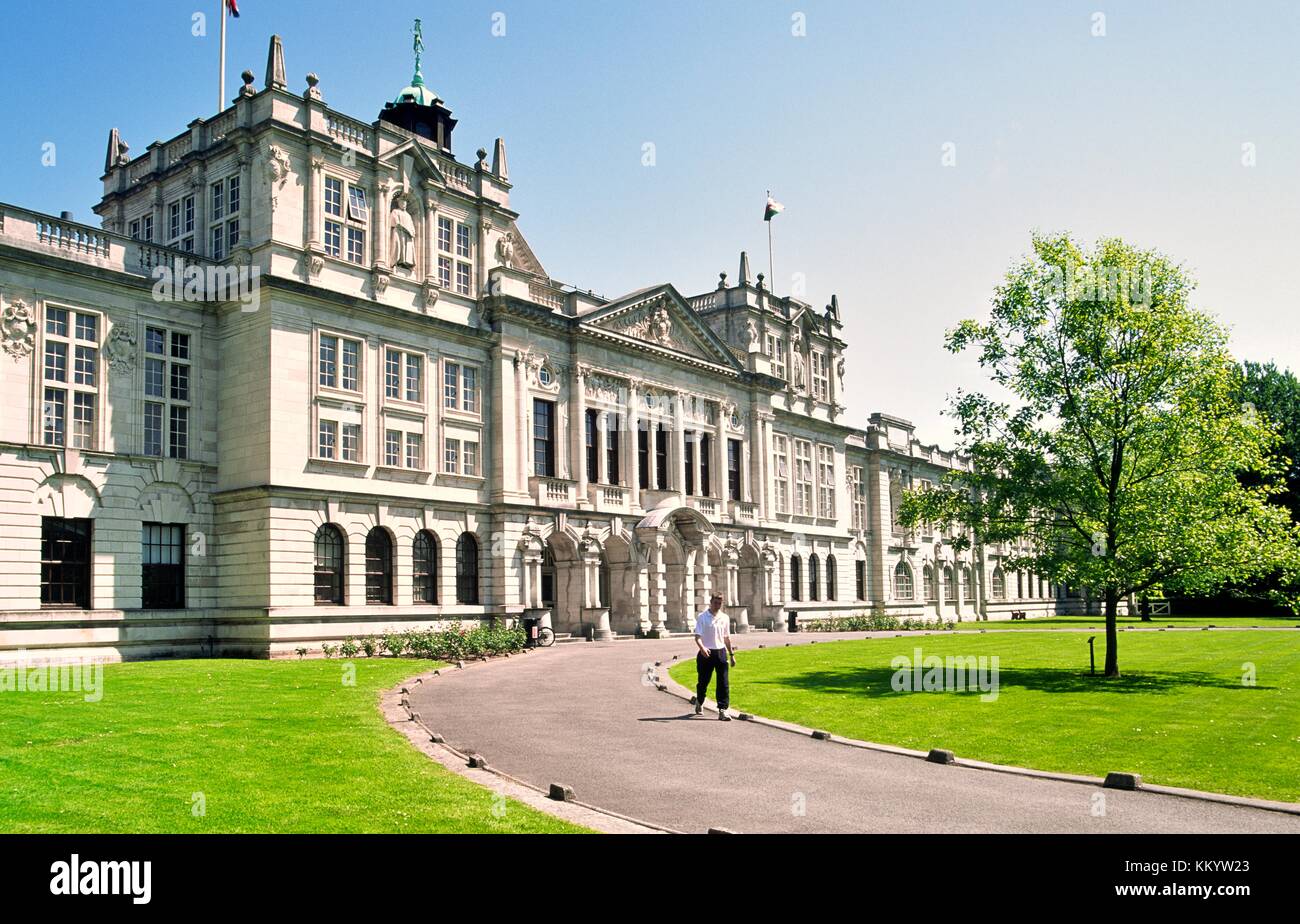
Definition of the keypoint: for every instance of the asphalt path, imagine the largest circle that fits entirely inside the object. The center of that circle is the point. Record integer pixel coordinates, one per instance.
(585, 715)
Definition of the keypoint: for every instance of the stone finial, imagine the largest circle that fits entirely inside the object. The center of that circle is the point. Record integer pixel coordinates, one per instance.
(247, 89)
(313, 89)
(499, 168)
(744, 268)
(760, 282)
(275, 79)
(722, 280)
(833, 309)
(482, 159)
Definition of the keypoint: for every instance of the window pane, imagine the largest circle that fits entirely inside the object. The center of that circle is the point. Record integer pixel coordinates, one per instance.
(179, 442)
(154, 339)
(180, 382)
(392, 374)
(56, 361)
(414, 379)
(56, 322)
(52, 417)
(153, 428)
(88, 327)
(65, 562)
(470, 396)
(83, 421)
(351, 364)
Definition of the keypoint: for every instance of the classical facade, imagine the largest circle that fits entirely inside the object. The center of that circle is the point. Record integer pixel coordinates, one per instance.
(309, 380)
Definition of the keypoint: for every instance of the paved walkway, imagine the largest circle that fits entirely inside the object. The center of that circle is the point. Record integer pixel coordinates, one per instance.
(579, 714)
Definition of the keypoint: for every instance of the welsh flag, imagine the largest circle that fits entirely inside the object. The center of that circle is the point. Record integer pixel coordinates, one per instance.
(233, 7)
(773, 208)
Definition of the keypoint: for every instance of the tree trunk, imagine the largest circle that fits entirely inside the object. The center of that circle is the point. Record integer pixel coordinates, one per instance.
(1112, 633)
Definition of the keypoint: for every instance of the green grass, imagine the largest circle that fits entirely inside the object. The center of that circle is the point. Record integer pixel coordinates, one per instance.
(272, 746)
(1157, 622)
(1180, 714)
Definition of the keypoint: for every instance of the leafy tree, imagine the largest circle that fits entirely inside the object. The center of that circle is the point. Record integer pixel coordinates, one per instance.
(1275, 393)
(1111, 453)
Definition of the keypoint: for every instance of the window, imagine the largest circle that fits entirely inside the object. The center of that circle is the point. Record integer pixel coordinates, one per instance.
(350, 443)
(339, 362)
(858, 489)
(733, 469)
(445, 226)
(592, 445)
(463, 246)
(327, 439)
(776, 352)
(223, 216)
(464, 285)
(860, 578)
(329, 565)
(826, 482)
(902, 581)
(451, 385)
(688, 450)
(814, 577)
(999, 588)
(543, 438)
(612, 431)
(467, 569)
(392, 448)
(403, 376)
(832, 579)
(796, 577)
(706, 465)
(661, 457)
(70, 393)
(803, 478)
(781, 472)
(451, 455)
(357, 209)
(469, 389)
(65, 562)
(820, 377)
(142, 228)
(424, 568)
(162, 563)
(469, 458)
(931, 586)
(379, 566)
(414, 451)
(356, 245)
(444, 272)
(949, 585)
(180, 224)
(965, 582)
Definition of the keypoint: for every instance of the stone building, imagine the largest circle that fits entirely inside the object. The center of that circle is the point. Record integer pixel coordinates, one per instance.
(309, 380)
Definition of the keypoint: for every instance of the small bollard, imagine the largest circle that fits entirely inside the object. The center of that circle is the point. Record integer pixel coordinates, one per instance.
(1128, 781)
(561, 793)
(941, 756)
(477, 761)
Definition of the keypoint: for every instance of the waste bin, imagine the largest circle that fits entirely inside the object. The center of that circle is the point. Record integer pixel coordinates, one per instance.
(531, 624)
(792, 621)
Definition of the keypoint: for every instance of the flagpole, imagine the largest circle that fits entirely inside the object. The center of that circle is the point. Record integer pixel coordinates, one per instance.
(771, 264)
(221, 83)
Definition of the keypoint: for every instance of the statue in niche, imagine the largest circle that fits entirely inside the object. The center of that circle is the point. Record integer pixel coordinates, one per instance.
(403, 232)
(751, 335)
(798, 371)
(506, 250)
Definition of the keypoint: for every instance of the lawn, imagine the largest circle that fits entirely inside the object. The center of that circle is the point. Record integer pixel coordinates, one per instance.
(275, 746)
(1179, 715)
(1098, 623)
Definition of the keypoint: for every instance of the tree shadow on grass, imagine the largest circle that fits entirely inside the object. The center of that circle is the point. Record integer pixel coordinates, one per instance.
(878, 681)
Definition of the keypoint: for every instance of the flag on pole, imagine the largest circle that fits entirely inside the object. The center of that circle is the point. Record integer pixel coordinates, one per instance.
(233, 6)
(773, 207)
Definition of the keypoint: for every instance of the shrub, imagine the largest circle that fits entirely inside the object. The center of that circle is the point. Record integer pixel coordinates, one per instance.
(328, 650)
(395, 644)
(369, 645)
(874, 622)
(349, 648)
(302, 653)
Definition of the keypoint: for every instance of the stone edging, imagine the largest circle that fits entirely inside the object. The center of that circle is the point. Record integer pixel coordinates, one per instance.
(395, 708)
(667, 684)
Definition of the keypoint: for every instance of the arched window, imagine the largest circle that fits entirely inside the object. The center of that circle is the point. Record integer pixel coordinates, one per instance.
(949, 585)
(379, 566)
(832, 589)
(329, 565)
(424, 567)
(902, 581)
(931, 588)
(467, 569)
(965, 582)
(860, 577)
(796, 577)
(999, 589)
(814, 576)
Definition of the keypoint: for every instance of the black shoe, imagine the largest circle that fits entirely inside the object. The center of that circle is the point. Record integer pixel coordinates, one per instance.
(723, 717)
(699, 710)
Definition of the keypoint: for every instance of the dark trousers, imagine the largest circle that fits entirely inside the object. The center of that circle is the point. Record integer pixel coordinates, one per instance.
(704, 668)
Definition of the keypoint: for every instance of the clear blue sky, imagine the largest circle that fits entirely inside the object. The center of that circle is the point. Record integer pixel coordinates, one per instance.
(1138, 133)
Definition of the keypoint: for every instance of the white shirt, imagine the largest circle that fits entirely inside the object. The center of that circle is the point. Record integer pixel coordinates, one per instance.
(713, 630)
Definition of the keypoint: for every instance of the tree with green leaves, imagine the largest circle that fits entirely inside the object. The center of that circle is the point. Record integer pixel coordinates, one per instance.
(1110, 451)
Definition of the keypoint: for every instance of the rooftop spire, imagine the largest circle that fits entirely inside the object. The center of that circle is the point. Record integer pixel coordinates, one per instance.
(275, 79)
(417, 45)
(744, 268)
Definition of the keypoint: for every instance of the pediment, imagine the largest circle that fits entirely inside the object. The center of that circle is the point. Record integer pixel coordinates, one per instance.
(659, 317)
(410, 158)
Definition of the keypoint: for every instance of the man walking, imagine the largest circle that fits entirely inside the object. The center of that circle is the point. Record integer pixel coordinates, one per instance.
(713, 638)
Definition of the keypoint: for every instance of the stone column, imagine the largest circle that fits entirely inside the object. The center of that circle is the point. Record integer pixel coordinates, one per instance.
(746, 482)
(679, 449)
(602, 447)
(718, 464)
(245, 162)
(522, 430)
(316, 164)
(379, 225)
(430, 234)
(633, 417)
(658, 586)
(697, 463)
(485, 228)
(525, 588)
(578, 439)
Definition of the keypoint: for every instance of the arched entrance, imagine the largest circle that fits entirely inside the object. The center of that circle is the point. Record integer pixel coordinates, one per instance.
(678, 573)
